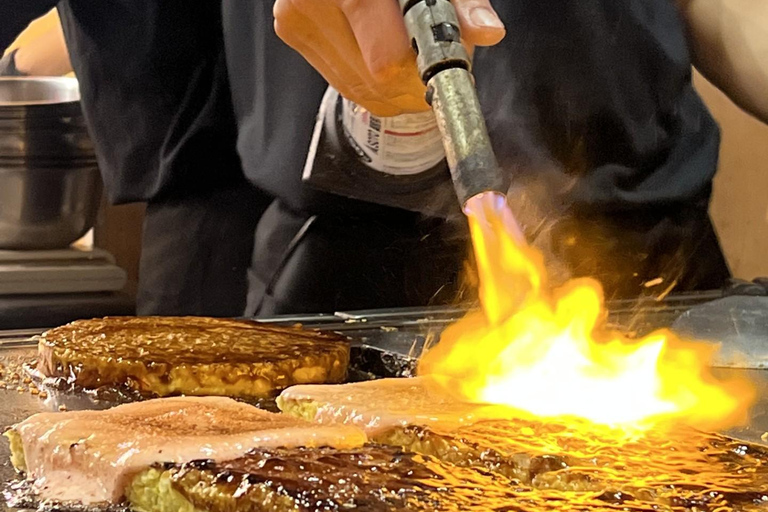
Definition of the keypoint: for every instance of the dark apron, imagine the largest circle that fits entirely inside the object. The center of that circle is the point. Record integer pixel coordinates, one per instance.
(304, 263)
(196, 250)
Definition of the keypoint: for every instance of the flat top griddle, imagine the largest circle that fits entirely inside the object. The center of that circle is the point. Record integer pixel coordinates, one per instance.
(385, 343)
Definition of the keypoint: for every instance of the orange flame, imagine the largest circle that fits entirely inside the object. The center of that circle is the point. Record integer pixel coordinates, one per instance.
(544, 354)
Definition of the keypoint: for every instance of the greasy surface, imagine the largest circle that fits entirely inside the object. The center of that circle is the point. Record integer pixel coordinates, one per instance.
(665, 466)
(190, 355)
(680, 465)
(380, 405)
(370, 479)
(86, 455)
(15, 406)
(710, 473)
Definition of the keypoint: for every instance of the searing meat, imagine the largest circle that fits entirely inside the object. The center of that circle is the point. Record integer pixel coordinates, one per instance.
(381, 405)
(87, 456)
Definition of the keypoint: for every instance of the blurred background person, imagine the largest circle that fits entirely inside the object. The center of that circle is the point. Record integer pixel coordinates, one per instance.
(155, 94)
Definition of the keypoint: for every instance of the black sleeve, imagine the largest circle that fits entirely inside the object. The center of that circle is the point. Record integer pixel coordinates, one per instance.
(16, 15)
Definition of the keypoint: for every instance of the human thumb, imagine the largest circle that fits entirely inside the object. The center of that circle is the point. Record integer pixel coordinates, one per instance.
(480, 25)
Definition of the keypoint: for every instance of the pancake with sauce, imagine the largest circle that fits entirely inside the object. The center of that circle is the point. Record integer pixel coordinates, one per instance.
(723, 476)
(572, 456)
(90, 456)
(371, 478)
(579, 456)
(164, 356)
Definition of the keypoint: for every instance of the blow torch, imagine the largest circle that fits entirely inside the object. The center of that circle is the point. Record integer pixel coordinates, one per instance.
(401, 161)
(445, 68)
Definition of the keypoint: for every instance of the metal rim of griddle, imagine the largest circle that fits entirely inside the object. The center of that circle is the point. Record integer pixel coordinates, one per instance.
(407, 317)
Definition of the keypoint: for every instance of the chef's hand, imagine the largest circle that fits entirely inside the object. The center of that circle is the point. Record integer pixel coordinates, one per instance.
(362, 49)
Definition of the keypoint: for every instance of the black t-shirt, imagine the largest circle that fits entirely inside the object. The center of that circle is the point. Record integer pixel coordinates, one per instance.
(276, 96)
(600, 92)
(594, 94)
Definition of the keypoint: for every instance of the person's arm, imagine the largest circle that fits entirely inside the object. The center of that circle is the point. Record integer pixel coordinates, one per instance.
(362, 49)
(41, 49)
(729, 43)
(17, 14)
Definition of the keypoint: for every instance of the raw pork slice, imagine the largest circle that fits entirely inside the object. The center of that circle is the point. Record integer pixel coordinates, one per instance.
(89, 456)
(379, 406)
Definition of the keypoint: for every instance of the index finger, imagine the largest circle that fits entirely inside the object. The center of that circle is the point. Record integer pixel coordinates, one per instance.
(380, 33)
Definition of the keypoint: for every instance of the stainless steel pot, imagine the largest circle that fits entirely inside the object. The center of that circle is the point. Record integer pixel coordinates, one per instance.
(24, 92)
(50, 187)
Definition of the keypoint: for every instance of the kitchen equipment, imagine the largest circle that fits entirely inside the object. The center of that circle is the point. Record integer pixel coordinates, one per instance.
(397, 161)
(738, 323)
(59, 271)
(50, 188)
(391, 161)
(384, 344)
(444, 65)
(52, 287)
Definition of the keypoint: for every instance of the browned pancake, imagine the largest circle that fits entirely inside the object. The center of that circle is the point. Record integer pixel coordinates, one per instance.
(581, 457)
(662, 467)
(165, 356)
(371, 479)
(723, 477)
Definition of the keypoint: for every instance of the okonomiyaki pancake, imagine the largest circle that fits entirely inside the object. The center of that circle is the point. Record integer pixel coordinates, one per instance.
(658, 466)
(380, 478)
(584, 457)
(371, 478)
(164, 356)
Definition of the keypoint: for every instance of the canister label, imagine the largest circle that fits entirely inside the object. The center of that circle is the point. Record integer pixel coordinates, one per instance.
(403, 145)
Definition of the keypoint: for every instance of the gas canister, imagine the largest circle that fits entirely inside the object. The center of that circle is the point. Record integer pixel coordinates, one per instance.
(395, 161)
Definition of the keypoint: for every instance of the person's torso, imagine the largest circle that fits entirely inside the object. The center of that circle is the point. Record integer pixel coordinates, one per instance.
(593, 97)
(596, 95)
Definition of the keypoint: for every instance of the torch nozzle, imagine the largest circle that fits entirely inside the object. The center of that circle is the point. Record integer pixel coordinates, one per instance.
(485, 204)
(445, 68)
(473, 164)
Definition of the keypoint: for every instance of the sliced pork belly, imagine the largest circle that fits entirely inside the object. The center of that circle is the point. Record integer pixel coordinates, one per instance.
(381, 405)
(89, 456)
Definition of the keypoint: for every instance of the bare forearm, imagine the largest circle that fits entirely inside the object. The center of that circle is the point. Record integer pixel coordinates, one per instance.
(17, 14)
(44, 52)
(729, 42)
